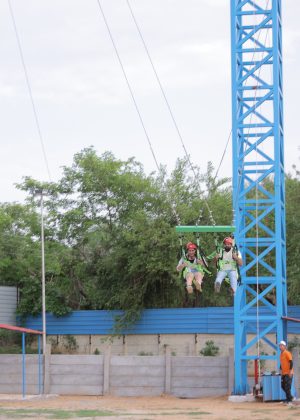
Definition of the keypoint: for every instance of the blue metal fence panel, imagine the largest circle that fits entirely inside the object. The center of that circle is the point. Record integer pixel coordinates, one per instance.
(210, 320)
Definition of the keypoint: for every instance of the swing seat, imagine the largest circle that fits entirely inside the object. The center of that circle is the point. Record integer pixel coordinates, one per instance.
(191, 229)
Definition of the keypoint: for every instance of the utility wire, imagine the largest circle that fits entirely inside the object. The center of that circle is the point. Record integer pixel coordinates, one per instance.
(29, 90)
(128, 84)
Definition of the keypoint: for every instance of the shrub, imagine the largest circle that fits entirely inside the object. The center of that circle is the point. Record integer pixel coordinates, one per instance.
(210, 349)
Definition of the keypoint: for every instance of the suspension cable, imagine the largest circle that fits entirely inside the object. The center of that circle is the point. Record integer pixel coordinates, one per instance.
(128, 83)
(200, 191)
(29, 89)
(159, 82)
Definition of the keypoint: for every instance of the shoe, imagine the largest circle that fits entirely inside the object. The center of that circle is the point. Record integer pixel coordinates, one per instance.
(189, 289)
(217, 287)
(198, 286)
(290, 404)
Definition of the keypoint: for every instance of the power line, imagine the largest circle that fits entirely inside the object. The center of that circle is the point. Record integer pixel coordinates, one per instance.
(29, 89)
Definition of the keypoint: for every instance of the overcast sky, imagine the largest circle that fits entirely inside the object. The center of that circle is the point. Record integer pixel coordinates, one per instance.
(81, 97)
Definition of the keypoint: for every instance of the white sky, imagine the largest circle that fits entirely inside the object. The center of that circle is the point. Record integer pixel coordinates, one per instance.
(82, 99)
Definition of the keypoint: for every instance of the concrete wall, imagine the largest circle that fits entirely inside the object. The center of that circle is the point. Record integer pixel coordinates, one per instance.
(75, 375)
(142, 344)
(193, 377)
(11, 374)
(8, 305)
(187, 377)
(137, 375)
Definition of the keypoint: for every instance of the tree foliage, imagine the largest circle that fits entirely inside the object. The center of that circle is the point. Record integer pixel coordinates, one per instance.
(110, 241)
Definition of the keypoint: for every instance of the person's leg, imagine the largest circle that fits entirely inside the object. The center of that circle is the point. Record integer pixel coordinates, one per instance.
(232, 274)
(286, 384)
(198, 280)
(282, 384)
(220, 277)
(288, 387)
(189, 280)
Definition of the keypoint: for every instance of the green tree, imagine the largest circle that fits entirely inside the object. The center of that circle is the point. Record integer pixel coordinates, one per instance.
(110, 240)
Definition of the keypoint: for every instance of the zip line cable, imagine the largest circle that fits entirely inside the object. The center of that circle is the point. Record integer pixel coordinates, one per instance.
(128, 84)
(29, 89)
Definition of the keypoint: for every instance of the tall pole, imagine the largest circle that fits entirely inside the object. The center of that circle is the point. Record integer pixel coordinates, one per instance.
(43, 274)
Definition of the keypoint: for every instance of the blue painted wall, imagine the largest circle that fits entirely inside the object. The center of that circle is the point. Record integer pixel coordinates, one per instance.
(216, 320)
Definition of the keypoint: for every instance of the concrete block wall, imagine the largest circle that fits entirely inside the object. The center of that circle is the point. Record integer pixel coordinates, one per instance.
(137, 376)
(75, 375)
(187, 377)
(141, 344)
(181, 376)
(11, 374)
(194, 377)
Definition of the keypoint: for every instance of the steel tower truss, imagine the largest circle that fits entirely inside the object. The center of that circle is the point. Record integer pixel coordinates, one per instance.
(258, 182)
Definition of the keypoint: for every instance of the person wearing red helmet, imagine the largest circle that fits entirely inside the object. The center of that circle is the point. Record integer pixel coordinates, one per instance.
(192, 268)
(227, 262)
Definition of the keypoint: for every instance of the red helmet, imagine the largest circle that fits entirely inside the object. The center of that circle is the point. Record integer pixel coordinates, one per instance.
(228, 241)
(190, 245)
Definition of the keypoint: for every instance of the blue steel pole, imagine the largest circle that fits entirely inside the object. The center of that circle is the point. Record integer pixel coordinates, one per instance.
(23, 366)
(279, 175)
(240, 377)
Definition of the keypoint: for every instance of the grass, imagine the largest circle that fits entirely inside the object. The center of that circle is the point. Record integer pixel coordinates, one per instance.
(56, 414)
(53, 414)
(15, 349)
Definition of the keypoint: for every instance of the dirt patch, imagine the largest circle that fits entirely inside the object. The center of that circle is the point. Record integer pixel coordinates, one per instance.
(142, 408)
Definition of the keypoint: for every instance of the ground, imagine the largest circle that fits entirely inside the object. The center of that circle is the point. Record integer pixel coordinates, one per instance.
(141, 408)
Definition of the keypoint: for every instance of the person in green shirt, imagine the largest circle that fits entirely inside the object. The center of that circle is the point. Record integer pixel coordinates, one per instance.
(192, 268)
(227, 262)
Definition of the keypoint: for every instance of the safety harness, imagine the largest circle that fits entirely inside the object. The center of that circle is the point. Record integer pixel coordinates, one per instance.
(220, 251)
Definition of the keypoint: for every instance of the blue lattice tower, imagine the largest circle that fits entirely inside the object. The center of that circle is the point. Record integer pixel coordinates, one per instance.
(258, 182)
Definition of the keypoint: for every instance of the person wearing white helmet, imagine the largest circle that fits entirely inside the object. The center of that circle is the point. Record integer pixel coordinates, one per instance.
(286, 368)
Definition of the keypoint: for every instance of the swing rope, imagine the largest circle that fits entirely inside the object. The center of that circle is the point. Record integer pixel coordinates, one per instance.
(200, 191)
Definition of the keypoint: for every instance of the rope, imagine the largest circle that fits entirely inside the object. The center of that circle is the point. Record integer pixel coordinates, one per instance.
(223, 155)
(159, 82)
(128, 84)
(29, 89)
(200, 191)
